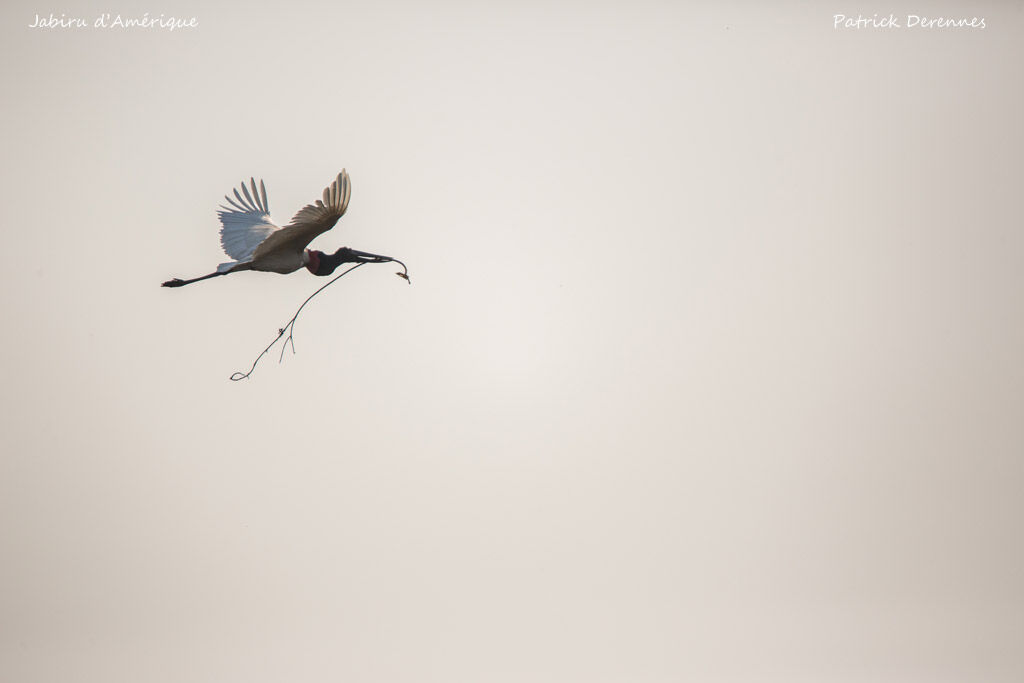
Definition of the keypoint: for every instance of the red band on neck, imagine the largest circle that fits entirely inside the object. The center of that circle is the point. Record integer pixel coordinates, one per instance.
(314, 261)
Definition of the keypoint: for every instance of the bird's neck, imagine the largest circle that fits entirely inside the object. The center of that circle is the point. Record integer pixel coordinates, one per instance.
(323, 264)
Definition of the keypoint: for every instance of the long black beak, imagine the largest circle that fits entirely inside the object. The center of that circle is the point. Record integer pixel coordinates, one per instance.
(346, 255)
(354, 256)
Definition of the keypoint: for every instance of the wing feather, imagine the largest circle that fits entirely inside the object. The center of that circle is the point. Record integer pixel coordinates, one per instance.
(248, 198)
(311, 220)
(234, 204)
(245, 224)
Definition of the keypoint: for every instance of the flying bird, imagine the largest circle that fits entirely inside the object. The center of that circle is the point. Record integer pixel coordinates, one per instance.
(255, 243)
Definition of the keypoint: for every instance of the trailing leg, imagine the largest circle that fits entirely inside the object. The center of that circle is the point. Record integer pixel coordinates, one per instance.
(177, 282)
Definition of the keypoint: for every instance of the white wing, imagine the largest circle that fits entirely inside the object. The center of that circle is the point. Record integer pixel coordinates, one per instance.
(246, 223)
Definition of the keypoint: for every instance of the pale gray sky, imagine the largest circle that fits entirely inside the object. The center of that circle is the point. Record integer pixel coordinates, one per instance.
(710, 369)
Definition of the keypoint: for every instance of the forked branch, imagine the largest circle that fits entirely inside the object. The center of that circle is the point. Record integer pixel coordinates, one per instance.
(290, 326)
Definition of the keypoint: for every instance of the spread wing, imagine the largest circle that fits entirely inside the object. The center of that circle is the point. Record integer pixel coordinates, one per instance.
(312, 219)
(245, 224)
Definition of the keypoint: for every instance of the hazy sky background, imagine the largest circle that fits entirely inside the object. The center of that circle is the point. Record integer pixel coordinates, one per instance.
(710, 369)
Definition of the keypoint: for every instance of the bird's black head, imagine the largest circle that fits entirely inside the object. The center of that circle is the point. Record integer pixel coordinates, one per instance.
(325, 264)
